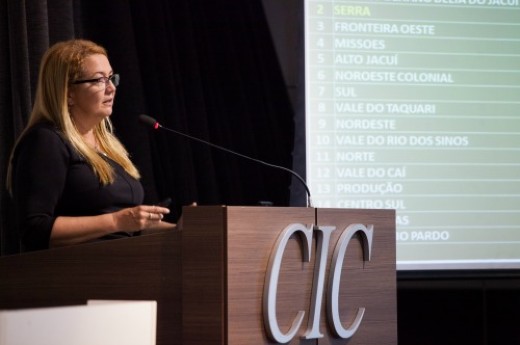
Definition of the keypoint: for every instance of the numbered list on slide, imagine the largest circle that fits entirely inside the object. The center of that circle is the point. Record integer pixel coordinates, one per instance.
(415, 106)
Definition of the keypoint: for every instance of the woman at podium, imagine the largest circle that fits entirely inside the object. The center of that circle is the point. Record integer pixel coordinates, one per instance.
(70, 178)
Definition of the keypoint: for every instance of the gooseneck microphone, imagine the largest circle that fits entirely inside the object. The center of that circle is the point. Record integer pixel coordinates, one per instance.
(153, 123)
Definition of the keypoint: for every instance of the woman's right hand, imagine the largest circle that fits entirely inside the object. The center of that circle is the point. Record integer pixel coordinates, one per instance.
(73, 230)
(139, 218)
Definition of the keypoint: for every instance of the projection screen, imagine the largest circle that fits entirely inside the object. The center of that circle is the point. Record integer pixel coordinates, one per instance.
(415, 106)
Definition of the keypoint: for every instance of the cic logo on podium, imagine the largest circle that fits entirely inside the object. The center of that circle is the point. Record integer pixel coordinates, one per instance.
(323, 235)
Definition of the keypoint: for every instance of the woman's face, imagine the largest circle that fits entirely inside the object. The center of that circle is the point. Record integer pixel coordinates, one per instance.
(92, 101)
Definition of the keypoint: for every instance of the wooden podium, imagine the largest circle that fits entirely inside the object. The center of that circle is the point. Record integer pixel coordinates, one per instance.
(210, 278)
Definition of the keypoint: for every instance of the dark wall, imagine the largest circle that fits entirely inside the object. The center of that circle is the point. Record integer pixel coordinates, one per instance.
(468, 308)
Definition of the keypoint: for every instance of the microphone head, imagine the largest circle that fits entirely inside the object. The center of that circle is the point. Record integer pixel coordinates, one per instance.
(149, 121)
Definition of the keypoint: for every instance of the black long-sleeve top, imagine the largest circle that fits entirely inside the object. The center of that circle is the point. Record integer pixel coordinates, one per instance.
(50, 179)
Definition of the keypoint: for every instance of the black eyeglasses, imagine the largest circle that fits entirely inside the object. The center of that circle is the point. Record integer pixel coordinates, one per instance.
(114, 78)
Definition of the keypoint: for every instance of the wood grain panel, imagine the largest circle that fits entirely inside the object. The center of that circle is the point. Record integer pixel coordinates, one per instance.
(247, 236)
(138, 268)
(372, 284)
(252, 233)
(208, 278)
(204, 275)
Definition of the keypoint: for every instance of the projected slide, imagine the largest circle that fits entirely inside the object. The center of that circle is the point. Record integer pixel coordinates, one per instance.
(414, 105)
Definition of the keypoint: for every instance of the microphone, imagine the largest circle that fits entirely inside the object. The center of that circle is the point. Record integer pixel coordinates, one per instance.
(153, 123)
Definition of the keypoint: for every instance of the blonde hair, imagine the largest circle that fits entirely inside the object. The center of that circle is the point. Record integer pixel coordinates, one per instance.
(61, 64)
